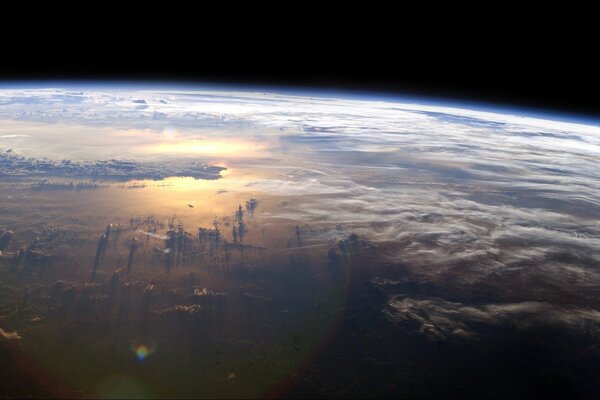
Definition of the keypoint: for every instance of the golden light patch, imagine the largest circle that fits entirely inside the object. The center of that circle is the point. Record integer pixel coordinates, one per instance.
(208, 147)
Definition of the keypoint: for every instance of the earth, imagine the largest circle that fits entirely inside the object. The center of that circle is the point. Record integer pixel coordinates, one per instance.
(192, 242)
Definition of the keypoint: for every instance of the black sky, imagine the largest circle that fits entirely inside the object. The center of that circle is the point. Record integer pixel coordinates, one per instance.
(516, 63)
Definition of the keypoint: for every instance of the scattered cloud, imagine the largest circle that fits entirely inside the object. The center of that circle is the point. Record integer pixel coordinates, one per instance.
(440, 319)
(460, 198)
(182, 309)
(8, 336)
(153, 235)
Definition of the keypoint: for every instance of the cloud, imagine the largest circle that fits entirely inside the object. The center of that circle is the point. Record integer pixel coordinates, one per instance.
(117, 170)
(440, 319)
(207, 293)
(8, 336)
(461, 198)
(153, 235)
(182, 309)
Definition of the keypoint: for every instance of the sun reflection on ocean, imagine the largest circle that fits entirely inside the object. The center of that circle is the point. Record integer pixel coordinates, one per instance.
(209, 147)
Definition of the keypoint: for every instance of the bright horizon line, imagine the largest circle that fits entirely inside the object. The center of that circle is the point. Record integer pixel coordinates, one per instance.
(307, 91)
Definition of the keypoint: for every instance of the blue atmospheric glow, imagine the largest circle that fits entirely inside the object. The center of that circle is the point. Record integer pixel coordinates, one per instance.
(361, 95)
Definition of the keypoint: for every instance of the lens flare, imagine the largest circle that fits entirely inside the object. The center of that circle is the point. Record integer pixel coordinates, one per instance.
(142, 351)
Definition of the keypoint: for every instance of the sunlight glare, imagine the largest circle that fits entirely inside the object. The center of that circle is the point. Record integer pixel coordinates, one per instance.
(230, 148)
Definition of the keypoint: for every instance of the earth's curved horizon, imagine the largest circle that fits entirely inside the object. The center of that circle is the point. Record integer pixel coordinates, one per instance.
(181, 243)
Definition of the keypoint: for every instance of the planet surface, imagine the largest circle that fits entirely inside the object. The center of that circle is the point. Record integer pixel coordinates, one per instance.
(201, 242)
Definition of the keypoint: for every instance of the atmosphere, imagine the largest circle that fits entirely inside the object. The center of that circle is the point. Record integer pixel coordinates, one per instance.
(201, 241)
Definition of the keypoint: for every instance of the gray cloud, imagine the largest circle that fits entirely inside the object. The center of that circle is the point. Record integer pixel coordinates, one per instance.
(207, 293)
(182, 309)
(440, 319)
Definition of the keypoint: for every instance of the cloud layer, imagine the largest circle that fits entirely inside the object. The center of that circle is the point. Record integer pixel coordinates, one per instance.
(471, 203)
(13, 165)
(440, 319)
